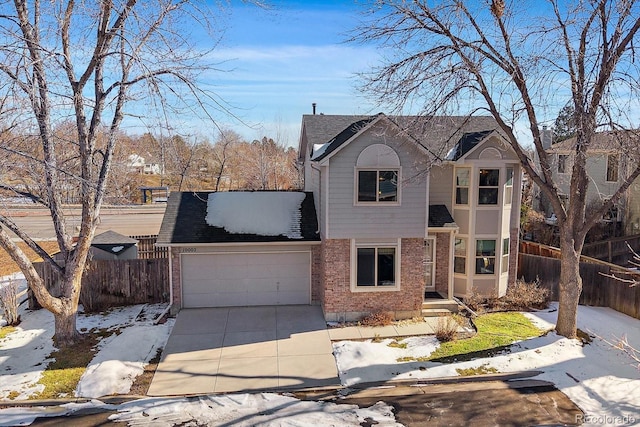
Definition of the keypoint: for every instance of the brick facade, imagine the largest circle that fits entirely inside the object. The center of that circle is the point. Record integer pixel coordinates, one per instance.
(176, 302)
(443, 261)
(341, 304)
(513, 255)
(317, 291)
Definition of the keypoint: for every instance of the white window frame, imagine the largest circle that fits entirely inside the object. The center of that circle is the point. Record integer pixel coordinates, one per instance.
(374, 244)
(608, 170)
(456, 186)
(356, 180)
(460, 255)
(485, 258)
(508, 188)
(506, 248)
(564, 163)
(488, 187)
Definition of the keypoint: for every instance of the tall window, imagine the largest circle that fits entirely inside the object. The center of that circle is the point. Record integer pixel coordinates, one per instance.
(462, 186)
(460, 256)
(508, 187)
(562, 163)
(485, 256)
(488, 186)
(505, 255)
(612, 167)
(378, 186)
(376, 267)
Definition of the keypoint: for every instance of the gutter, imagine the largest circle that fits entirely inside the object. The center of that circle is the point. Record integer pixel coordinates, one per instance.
(166, 310)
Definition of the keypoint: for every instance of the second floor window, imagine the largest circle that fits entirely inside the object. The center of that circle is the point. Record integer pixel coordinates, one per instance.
(378, 186)
(612, 167)
(488, 186)
(562, 163)
(462, 186)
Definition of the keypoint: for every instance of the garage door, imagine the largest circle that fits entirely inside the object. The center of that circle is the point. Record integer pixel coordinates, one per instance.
(240, 279)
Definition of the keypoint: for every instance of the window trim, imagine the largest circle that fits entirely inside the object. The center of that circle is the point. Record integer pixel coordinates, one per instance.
(478, 257)
(383, 243)
(508, 188)
(356, 184)
(456, 186)
(565, 160)
(462, 256)
(506, 244)
(496, 187)
(609, 170)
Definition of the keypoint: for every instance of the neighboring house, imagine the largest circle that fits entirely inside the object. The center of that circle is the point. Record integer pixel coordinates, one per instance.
(388, 222)
(112, 245)
(137, 164)
(607, 165)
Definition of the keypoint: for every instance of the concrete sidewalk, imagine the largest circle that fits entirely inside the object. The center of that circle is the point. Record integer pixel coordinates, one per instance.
(399, 329)
(217, 350)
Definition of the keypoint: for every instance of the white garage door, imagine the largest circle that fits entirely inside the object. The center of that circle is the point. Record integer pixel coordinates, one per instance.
(240, 279)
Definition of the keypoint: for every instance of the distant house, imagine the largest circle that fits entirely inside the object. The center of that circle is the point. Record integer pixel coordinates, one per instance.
(384, 222)
(608, 162)
(137, 164)
(112, 245)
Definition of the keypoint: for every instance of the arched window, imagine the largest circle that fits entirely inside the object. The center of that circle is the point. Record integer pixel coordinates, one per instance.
(377, 175)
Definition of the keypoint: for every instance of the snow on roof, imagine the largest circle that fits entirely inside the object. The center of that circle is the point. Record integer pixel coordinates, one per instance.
(262, 213)
(319, 149)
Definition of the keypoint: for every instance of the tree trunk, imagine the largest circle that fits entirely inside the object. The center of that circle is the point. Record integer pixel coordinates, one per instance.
(570, 289)
(66, 331)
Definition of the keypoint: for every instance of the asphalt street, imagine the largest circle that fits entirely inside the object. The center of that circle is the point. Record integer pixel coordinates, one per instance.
(126, 220)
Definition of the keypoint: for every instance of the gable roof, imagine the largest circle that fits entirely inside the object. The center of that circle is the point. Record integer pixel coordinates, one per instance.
(439, 216)
(110, 237)
(610, 141)
(468, 142)
(438, 134)
(184, 222)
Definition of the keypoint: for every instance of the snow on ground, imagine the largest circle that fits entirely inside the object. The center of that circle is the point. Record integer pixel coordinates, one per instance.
(603, 381)
(261, 409)
(119, 359)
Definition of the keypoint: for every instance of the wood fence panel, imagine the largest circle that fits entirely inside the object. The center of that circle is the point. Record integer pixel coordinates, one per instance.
(108, 283)
(147, 247)
(597, 290)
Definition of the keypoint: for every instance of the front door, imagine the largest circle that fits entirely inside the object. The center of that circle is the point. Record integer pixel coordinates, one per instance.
(430, 264)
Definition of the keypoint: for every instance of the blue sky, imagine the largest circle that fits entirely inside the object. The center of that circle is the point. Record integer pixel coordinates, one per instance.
(281, 59)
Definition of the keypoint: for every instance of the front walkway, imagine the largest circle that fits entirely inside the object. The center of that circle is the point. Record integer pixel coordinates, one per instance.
(217, 350)
(398, 329)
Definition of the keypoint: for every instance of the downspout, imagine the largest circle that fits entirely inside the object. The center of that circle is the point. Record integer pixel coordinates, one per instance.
(166, 310)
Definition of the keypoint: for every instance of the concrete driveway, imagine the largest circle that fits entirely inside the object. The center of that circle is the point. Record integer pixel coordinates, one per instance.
(236, 349)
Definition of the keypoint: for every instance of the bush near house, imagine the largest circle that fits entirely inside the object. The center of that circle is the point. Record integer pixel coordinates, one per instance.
(520, 296)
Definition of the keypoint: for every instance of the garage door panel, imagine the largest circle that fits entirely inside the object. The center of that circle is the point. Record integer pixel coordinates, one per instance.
(240, 279)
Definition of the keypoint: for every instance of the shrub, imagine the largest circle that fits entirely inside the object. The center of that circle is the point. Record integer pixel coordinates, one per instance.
(9, 303)
(523, 295)
(446, 328)
(378, 318)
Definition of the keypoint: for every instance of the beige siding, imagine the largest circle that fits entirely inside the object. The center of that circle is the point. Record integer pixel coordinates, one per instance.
(441, 186)
(345, 220)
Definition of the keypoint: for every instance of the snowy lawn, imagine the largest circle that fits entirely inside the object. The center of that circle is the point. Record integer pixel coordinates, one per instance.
(131, 340)
(602, 380)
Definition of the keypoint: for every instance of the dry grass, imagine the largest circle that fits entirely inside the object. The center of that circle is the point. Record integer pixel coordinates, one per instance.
(379, 318)
(446, 328)
(8, 266)
(520, 296)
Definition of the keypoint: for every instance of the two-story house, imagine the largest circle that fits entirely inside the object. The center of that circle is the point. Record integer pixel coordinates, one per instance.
(607, 164)
(394, 210)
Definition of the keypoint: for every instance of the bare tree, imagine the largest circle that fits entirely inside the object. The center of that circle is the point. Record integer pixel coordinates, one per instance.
(87, 62)
(516, 61)
(223, 151)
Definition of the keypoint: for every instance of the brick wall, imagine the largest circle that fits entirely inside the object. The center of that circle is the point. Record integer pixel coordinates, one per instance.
(175, 281)
(442, 262)
(341, 304)
(317, 292)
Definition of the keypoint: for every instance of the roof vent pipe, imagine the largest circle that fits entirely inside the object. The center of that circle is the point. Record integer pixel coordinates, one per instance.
(313, 106)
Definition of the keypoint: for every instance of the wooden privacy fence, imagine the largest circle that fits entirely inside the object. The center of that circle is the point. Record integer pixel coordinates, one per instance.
(147, 247)
(108, 283)
(597, 290)
(613, 250)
